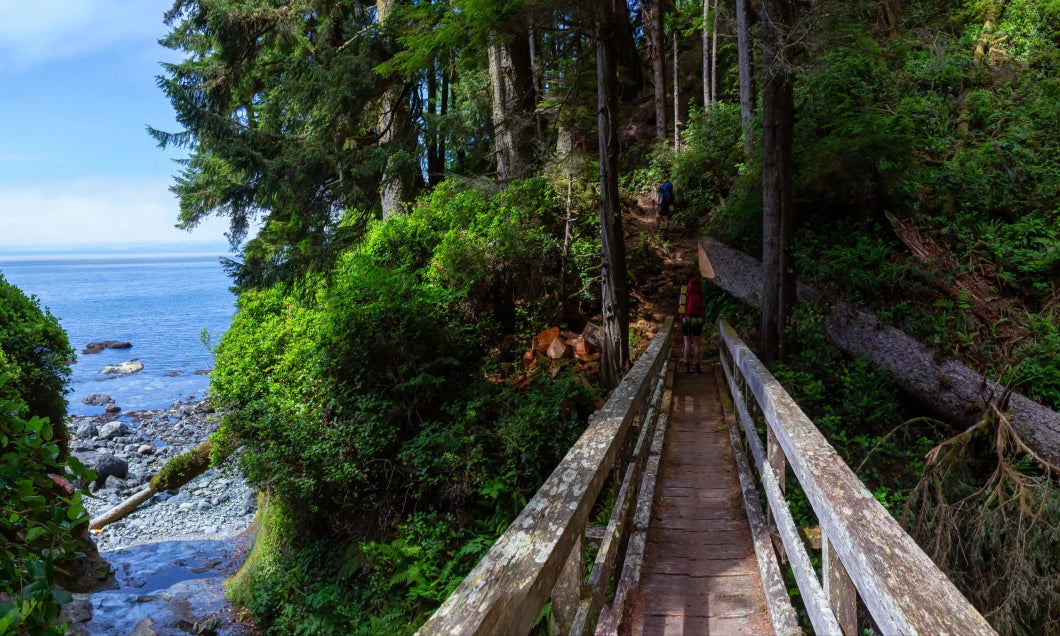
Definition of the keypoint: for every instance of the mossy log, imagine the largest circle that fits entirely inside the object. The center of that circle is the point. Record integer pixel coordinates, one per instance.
(177, 472)
(958, 394)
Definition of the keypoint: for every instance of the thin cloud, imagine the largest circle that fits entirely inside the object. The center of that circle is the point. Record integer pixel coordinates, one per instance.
(89, 212)
(46, 30)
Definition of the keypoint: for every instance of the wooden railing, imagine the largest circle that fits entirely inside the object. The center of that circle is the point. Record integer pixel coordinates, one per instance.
(864, 551)
(541, 556)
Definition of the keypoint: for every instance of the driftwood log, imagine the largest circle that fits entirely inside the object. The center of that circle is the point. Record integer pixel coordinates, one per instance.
(958, 394)
(177, 472)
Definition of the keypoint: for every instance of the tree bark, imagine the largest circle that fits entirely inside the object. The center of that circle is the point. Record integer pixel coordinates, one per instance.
(777, 201)
(950, 389)
(615, 298)
(654, 25)
(513, 99)
(743, 45)
(395, 128)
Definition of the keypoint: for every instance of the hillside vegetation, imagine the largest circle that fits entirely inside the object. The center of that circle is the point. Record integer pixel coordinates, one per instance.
(415, 191)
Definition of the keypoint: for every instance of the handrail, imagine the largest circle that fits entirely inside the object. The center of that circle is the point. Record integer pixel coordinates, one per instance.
(541, 554)
(865, 551)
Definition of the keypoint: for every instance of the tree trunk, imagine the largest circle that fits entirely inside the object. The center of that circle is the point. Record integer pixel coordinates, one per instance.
(708, 97)
(448, 74)
(626, 56)
(777, 203)
(615, 351)
(888, 15)
(432, 124)
(677, 99)
(743, 39)
(951, 389)
(714, 57)
(653, 24)
(513, 98)
(395, 128)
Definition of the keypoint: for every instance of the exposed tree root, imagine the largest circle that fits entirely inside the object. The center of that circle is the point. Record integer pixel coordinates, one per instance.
(987, 508)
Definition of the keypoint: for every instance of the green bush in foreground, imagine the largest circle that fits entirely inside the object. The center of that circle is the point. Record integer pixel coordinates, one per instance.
(36, 525)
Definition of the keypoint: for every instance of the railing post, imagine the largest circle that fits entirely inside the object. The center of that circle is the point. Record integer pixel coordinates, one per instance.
(776, 461)
(566, 593)
(840, 590)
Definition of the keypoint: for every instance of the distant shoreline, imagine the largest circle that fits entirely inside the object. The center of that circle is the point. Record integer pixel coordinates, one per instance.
(113, 256)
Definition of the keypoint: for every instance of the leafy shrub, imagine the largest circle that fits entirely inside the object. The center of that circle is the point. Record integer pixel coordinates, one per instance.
(706, 169)
(390, 460)
(37, 355)
(36, 525)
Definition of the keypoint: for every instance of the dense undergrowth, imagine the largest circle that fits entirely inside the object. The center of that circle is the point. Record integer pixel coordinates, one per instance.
(375, 412)
(926, 187)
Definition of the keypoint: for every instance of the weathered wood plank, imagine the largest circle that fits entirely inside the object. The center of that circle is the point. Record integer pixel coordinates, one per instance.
(781, 612)
(775, 458)
(656, 625)
(840, 590)
(671, 512)
(881, 559)
(697, 525)
(566, 595)
(701, 604)
(737, 536)
(505, 592)
(611, 616)
(721, 584)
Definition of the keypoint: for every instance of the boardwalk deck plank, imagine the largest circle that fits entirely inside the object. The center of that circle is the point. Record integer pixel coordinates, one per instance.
(700, 573)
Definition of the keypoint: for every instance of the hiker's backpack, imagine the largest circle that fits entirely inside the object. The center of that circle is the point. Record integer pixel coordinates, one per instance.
(691, 300)
(668, 193)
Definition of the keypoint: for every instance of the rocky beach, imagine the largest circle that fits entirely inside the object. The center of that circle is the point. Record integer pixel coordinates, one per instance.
(127, 449)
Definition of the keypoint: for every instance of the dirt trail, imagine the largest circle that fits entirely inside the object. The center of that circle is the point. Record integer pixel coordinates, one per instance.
(658, 261)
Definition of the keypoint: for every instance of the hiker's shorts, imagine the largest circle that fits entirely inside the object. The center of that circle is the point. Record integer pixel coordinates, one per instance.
(692, 326)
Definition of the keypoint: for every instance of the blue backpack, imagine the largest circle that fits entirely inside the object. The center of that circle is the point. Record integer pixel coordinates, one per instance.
(668, 193)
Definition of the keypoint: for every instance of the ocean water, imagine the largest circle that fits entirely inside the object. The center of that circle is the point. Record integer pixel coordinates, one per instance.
(160, 304)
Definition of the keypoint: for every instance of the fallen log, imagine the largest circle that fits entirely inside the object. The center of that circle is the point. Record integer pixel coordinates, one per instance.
(122, 509)
(177, 472)
(958, 394)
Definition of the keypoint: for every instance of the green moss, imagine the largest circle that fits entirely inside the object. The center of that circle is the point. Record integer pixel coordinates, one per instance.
(183, 468)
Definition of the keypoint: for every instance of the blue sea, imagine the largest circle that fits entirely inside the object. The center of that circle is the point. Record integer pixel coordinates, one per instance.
(160, 304)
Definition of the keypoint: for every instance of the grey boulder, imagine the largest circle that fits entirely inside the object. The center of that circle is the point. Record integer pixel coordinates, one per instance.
(86, 430)
(104, 465)
(97, 399)
(110, 430)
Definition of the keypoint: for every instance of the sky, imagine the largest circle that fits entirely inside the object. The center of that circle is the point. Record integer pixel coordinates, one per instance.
(78, 171)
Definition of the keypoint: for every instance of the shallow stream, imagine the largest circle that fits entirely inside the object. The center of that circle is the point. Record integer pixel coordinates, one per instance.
(165, 588)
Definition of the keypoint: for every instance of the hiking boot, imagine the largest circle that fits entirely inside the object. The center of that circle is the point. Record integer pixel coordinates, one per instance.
(698, 369)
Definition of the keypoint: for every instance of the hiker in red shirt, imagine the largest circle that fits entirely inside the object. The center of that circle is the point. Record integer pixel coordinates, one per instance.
(690, 313)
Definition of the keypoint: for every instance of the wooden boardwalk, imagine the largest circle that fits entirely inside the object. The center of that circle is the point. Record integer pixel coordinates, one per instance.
(700, 572)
